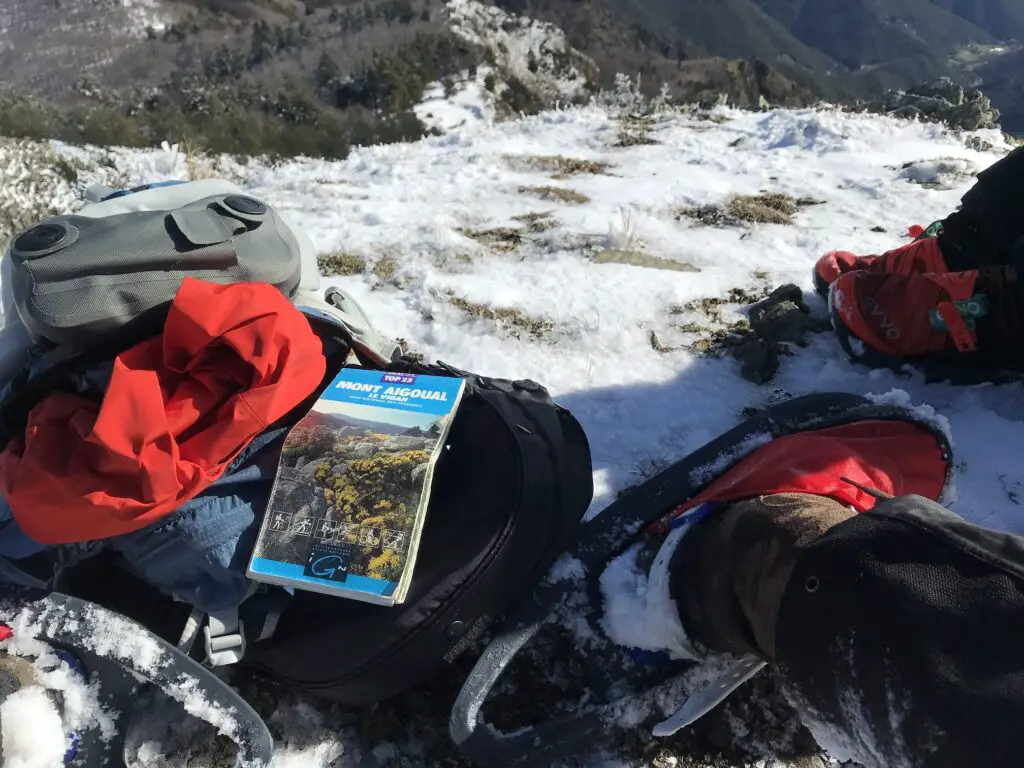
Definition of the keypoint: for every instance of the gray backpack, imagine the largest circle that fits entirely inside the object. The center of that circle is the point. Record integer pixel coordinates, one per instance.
(111, 269)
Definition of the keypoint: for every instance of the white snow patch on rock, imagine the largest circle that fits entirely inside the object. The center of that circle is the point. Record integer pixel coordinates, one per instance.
(535, 52)
(470, 103)
(944, 173)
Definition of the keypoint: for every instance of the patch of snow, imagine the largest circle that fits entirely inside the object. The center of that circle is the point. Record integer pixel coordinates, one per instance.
(81, 707)
(146, 14)
(705, 473)
(470, 103)
(945, 173)
(309, 741)
(638, 608)
(105, 634)
(193, 698)
(34, 735)
(566, 568)
(924, 412)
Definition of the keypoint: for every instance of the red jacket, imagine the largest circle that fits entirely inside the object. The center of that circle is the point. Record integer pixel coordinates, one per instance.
(180, 406)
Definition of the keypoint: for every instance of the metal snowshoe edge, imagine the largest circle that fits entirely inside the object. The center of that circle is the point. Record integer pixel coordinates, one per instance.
(605, 537)
(67, 623)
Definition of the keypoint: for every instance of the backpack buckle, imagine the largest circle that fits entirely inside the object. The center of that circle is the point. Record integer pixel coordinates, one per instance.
(224, 638)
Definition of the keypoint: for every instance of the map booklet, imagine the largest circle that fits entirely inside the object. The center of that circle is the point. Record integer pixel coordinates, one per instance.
(350, 498)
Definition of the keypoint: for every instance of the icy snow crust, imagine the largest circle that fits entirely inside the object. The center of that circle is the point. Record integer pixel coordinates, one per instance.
(584, 328)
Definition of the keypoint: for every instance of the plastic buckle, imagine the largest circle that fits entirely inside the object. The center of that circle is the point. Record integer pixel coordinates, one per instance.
(224, 649)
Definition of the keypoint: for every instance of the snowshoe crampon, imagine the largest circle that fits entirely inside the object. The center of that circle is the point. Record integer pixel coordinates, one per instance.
(627, 688)
(135, 687)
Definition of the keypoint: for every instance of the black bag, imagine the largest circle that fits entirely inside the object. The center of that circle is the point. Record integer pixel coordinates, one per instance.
(507, 499)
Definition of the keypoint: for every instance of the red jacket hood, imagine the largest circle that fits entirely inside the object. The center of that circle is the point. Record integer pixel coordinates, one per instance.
(232, 359)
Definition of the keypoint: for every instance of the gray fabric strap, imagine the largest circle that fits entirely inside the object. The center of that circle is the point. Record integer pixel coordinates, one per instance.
(203, 227)
(191, 630)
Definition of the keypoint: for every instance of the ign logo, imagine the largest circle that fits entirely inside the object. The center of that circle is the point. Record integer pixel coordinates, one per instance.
(398, 378)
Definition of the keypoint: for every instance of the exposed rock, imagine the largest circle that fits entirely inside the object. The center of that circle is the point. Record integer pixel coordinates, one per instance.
(759, 360)
(363, 451)
(783, 317)
(777, 321)
(942, 101)
(319, 505)
(401, 443)
(978, 144)
(419, 472)
(639, 259)
(309, 469)
(940, 173)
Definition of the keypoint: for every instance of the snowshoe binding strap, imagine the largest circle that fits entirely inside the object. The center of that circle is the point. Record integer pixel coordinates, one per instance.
(599, 718)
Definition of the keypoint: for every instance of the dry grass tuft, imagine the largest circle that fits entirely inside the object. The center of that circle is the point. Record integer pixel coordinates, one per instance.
(386, 268)
(341, 264)
(765, 208)
(510, 320)
(559, 194)
(770, 208)
(560, 166)
(539, 221)
(499, 239)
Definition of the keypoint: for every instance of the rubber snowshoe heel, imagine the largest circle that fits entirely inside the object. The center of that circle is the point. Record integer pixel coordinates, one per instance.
(652, 676)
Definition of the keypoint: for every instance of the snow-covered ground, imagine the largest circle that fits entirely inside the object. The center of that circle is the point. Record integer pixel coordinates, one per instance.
(468, 103)
(482, 250)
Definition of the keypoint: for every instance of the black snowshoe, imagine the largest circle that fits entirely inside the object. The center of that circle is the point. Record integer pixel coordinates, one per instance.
(623, 681)
(143, 682)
